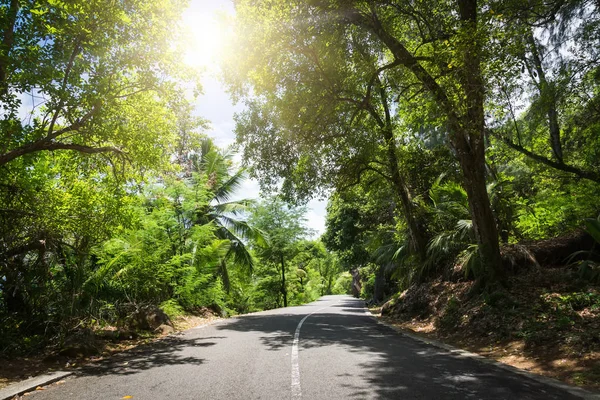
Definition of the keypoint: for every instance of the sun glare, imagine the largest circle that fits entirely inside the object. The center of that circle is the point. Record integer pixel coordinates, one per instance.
(206, 40)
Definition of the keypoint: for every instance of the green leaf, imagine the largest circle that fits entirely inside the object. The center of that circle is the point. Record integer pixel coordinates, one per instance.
(593, 228)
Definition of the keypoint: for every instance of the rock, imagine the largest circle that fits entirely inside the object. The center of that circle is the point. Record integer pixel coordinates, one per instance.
(388, 307)
(78, 350)
(116, 334)
(81, 343)
(164, 330)
(147, 318)
(356, 285)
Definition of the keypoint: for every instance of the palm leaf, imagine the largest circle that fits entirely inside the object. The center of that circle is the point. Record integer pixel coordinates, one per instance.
(593, 228)
(225, 190)
(241, 256)
(235, 208)
(223, 271)
(237, 249)
(242, 229)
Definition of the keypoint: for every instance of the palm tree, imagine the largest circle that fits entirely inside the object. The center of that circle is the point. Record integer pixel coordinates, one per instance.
(215, 169)
(456, 238)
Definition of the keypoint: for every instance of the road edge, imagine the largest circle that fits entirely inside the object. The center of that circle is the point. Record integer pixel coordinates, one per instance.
(28, 385)
(574, 390)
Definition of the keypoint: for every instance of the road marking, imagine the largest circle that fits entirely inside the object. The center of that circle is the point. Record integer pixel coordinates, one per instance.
(296, 390)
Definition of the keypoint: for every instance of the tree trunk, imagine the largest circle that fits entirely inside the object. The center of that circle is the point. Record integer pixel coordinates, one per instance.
(8, 37)
(283, 288)
(378, 290)
(415, 229)
(466, 128)
(356, 284)
(548, 99)
(472, 161)
(468, 139)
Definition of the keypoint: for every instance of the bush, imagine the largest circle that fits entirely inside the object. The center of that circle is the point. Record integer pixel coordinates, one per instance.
(343, 284)
(450, 318)
(368, 287)
(172, 308)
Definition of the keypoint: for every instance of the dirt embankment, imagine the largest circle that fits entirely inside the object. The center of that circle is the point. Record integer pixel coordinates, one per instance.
(547, 322)
(92, 345)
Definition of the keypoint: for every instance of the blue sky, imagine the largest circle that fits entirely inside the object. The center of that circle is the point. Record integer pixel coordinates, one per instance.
(215, 104)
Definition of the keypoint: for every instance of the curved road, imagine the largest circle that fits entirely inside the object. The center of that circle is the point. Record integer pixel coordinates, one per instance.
(338, 352)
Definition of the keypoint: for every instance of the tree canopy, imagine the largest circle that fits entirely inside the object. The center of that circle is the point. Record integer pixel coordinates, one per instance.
(84, 77)
(336, 92)
(112, 199)
(449, 137)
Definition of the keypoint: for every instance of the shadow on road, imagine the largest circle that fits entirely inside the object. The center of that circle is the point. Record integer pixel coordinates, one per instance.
(163, 352)
(392, 366)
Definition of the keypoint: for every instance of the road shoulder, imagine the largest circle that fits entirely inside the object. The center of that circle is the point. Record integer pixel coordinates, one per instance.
(576, 391)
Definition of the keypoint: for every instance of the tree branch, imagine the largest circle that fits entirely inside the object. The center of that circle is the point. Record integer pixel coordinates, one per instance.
(359, 175)
(51, 146)
(590, 175)
(75, 125)
(61, 103)
(8, 38)
(404, 57)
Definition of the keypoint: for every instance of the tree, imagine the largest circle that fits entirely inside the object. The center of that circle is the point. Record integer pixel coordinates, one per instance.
(284, 227)
(90, 78)
(459, 96)
(345, 109)
(430, 52)
(90, 100)
(313, 256)
(544, 96)
(215, 167)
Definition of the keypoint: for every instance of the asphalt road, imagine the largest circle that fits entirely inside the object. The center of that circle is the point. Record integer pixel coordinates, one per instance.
(340, 352)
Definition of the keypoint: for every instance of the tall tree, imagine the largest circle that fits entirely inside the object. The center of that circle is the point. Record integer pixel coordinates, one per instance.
(459, 95)
(284, 226)
(216, 171)
(327, 132)
(84, 77)
(431, 51)
(549, 60)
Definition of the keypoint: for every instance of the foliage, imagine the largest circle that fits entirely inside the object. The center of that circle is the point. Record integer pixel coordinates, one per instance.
(343, 284)
(285, 227)
(368, 287)
(440, 131)
(359, 101)
(84, 77)
(589, 268)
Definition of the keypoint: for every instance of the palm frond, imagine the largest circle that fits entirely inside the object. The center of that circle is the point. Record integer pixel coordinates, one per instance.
(241, 229)
(237, 249)
(384, 253)
(234, 207)
(402, 252)
(224, 272)
(241, 256)
(206, 147)
(470, 261)
(226, 189)
(464, 230)
(228, 153)
(210, 163)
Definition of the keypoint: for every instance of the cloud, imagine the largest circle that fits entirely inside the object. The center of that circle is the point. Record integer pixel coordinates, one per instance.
(248, 190)
(316, 216)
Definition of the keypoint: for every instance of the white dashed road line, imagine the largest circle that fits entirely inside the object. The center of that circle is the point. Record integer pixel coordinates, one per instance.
(296, 389)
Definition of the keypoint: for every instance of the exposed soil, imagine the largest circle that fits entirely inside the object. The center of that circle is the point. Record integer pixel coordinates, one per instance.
(547, 322)
(104, 345)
